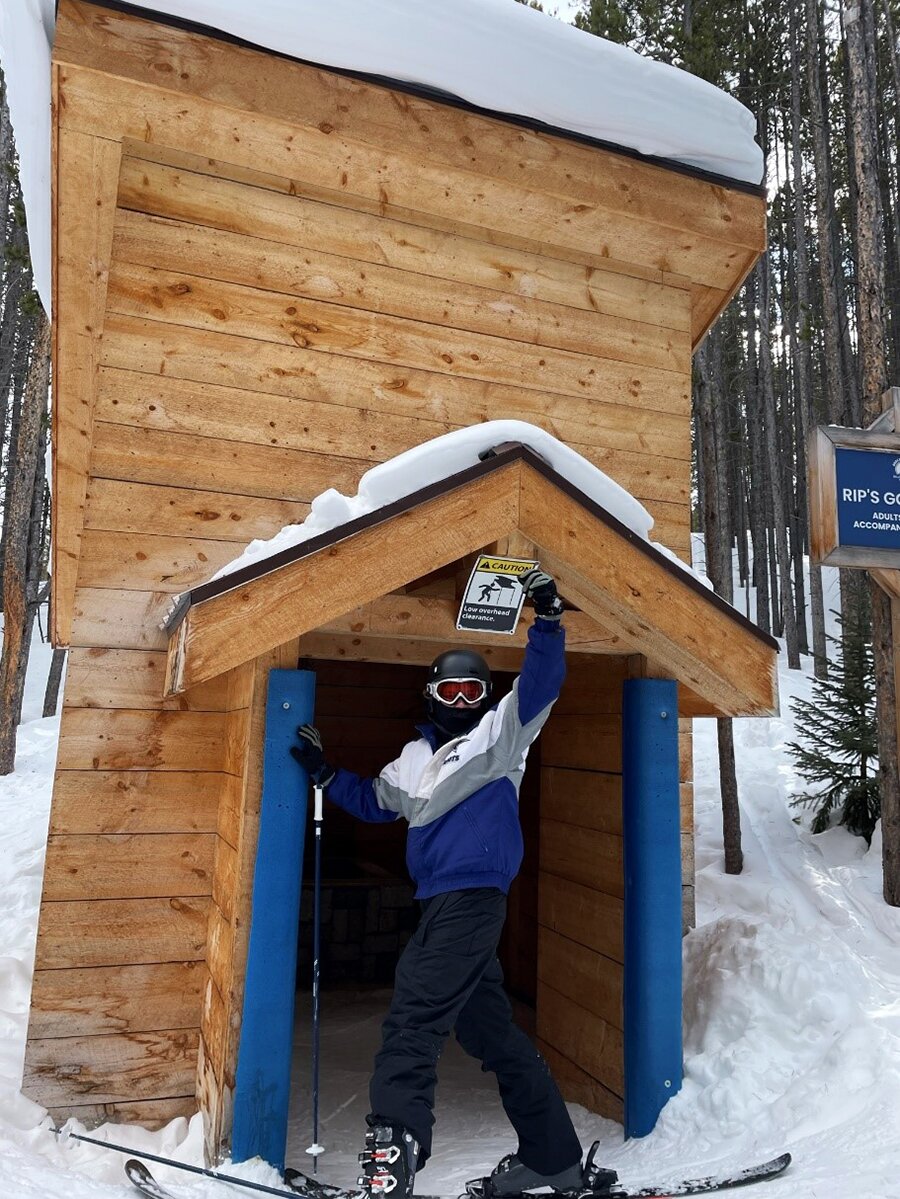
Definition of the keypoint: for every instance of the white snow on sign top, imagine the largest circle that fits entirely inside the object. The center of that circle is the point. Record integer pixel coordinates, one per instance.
(495, 54)
(439, 459)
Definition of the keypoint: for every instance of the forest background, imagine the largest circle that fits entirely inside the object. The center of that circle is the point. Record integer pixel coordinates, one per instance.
(812, 337)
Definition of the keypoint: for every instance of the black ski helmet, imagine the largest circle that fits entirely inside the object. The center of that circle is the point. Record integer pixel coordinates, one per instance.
(457, 664)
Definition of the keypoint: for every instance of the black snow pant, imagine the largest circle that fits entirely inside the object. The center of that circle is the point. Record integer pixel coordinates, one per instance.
(449, 976)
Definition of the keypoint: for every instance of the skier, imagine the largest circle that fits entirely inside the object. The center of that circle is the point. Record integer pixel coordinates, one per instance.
(457, 785)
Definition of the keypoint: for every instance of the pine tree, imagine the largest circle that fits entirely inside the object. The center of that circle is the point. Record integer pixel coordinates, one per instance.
(836, 750)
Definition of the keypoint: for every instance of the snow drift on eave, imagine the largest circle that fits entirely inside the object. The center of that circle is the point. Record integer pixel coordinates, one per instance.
(495, 54)
(438, 459)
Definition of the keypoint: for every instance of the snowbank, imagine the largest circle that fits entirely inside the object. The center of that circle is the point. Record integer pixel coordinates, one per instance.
(495, 54)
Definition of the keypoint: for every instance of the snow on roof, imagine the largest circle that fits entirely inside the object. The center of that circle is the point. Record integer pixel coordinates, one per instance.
(438, 459)
(495, 54)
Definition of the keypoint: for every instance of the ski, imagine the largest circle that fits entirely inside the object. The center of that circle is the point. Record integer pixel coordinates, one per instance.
(141, 1178)
(298, 1184)
(690, 1186)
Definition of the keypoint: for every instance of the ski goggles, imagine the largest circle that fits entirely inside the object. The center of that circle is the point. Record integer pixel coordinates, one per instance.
(448, 691)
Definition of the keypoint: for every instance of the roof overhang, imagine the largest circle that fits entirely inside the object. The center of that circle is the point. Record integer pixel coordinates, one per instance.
(633, 599)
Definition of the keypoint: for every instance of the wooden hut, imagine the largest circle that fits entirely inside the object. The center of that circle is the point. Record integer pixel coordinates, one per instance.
(268, 277)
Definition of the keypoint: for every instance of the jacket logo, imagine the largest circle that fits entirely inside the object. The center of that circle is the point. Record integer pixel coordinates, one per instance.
(451, 758)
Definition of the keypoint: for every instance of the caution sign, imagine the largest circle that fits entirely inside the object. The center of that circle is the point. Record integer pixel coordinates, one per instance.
(494, 598)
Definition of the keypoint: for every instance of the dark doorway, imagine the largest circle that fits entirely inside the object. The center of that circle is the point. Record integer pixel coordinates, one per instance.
(366, 713)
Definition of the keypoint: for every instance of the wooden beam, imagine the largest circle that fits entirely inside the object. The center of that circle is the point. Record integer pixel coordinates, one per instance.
(262, 614)
(614, 580)
(84, 166)
(406, 651)
(433, 618)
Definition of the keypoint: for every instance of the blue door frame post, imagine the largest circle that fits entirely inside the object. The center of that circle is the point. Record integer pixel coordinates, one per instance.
(652, 852)
(263, 1076)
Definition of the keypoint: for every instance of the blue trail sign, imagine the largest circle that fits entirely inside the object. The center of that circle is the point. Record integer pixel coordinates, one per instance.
(868, 498)
(854, 497)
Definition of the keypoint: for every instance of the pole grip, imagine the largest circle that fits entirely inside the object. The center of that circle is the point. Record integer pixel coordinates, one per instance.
(318, 793)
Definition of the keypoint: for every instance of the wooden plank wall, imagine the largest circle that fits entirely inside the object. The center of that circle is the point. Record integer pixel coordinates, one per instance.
(580, 908)
(120, 970)
(581, 897)
(301, 283)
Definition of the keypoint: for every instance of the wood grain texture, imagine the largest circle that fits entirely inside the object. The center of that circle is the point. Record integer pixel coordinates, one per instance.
(229, 924)
(83, 166)
(127, 507)
(215, 464)
(122, 999)
(582, 1036)
(317, 276)
(113, 932)
(127, 739)
(123, 108)
(629, 414)
(583, 855)
(338, 430)
(583, 742)
(582, 975)
(433, 618)
(175, 297)
(119, 619)
(128, 866)
(151, 1114)
(582, 914)
(578, 1086)
(110, 1069)
(136, 801)
(126, 678)
(648, 606)
(253, 209)
(583, 798)
(350, 649)
(149, 562)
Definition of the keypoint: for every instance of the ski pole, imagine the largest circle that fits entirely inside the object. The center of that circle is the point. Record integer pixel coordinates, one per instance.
(315, 1148)
(65, 1135)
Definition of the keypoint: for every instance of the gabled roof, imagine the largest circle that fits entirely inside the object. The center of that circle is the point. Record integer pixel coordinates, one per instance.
(644, 601)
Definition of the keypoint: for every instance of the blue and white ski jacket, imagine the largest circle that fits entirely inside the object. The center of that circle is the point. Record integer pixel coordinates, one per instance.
(461, 800)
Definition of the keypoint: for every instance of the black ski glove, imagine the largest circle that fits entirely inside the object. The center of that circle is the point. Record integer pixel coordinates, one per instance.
(541, 589)
(311, 757)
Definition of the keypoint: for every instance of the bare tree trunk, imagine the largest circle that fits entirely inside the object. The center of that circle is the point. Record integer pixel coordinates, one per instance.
(801, 332)
(18, 516)
(51, 694)
(825, 220)
(779, 513)
(757, 471)
(870, 290)
(717, 539)
(731, 812)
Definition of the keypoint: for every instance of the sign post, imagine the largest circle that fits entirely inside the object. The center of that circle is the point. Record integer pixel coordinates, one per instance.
(854, 521)
(854, 497)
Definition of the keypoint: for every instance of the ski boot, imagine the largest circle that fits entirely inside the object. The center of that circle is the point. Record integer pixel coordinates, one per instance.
(597, 1179)
(389, 1160)
(512, 1177)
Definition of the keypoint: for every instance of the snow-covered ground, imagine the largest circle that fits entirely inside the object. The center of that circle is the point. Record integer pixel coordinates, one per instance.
(792, 1015)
